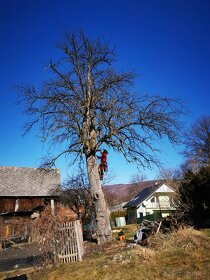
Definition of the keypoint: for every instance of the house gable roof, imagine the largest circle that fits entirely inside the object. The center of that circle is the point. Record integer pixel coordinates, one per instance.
(28, 182)
(164, 189)
(145, 193)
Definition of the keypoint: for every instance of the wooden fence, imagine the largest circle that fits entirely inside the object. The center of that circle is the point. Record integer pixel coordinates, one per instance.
(64, 240)
(69, 242)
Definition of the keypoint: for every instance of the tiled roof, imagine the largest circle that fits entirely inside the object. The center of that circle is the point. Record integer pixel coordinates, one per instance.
(22, 181)
(141, 196)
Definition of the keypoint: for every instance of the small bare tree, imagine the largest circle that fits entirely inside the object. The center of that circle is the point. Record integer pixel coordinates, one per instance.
(170, 176)
(138, 178)
(197, 144)
(76, 195)
(87, 105)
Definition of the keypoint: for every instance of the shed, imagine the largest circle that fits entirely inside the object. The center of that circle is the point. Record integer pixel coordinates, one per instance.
(24, 190)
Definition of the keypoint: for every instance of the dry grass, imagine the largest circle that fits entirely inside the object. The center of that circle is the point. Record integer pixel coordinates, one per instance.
(206, 231)
(183, 238)
(181, 255)
(129, 231)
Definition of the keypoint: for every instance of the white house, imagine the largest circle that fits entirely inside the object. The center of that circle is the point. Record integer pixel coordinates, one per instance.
(157, 199)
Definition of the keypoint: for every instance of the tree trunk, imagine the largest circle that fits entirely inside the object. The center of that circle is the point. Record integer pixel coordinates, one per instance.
(101, 208)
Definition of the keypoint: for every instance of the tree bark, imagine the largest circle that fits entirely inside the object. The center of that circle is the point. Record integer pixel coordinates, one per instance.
(101, 208)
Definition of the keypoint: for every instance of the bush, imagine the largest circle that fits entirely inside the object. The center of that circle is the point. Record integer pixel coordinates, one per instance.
(194, 197)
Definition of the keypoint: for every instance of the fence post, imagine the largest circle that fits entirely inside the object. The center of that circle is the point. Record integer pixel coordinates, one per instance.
(78, 231)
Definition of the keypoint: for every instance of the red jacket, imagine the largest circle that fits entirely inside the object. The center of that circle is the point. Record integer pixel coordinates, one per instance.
(103, 157)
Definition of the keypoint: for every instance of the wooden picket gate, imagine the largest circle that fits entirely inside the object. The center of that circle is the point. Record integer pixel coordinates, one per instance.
(69, 245)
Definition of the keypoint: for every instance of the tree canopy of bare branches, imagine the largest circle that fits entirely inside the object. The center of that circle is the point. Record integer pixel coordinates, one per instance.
(197, 144)
(76, 195)
(87, 105)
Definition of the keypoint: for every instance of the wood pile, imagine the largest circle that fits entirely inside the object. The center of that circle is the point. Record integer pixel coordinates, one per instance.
(148, 228)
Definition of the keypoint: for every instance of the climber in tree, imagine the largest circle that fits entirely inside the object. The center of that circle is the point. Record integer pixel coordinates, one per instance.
(103, 164)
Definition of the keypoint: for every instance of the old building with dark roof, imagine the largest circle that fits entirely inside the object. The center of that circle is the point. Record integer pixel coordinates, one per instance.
(24, 190)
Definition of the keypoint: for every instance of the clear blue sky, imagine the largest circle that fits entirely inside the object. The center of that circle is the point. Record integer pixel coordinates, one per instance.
(166, 42)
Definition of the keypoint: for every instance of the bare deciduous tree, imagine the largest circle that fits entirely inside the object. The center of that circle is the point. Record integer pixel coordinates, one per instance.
(76, 195)
(170, 176)
(138, 178)
(197, 144)
(166, 174)
(87, 105)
